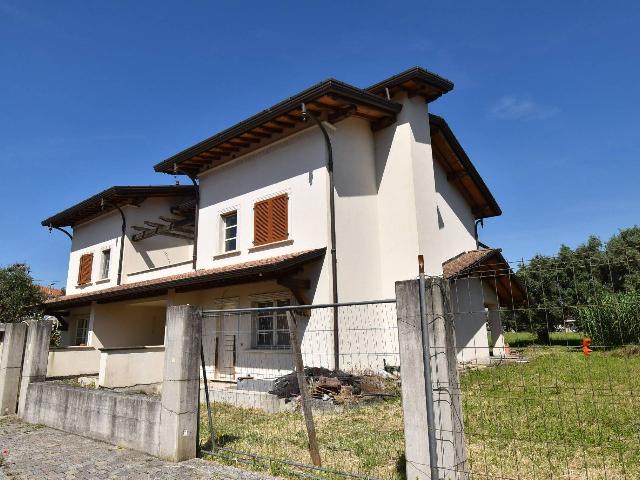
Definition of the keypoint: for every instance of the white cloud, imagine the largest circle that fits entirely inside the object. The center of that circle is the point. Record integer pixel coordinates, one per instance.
(513, 107)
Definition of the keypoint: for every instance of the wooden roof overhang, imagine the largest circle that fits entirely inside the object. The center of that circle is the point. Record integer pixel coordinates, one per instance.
(491, 267)
(414, 81)
(460, 171)
(274, 268)
(111, 198)
(330, 100)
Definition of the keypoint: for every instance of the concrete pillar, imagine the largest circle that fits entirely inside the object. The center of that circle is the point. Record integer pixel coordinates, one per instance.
(11, 365)
(497, 331)
(450, 446)
(181, 385)
(36, 357)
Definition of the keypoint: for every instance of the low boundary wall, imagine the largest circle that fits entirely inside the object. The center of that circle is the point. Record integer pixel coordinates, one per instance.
(131, 421)
(73, 361)
(131, 366)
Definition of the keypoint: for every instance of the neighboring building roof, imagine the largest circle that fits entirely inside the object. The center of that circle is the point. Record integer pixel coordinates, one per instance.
(256, 270)
(330, 99)
(489, 265)
(415, 81)
(51, 292)
(108, 199)
(450, 154)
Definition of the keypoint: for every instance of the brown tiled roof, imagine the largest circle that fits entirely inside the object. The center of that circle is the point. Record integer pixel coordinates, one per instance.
(51, 292)
(255, 270)
(489, 265)
(465, 261)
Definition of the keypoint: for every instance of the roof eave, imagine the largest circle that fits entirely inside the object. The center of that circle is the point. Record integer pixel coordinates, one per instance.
(491, 209)
(155, 288)
(326, 87)
(439, 85)
(116, 195)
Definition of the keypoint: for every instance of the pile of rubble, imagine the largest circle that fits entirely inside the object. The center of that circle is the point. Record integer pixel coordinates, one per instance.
(324, 384)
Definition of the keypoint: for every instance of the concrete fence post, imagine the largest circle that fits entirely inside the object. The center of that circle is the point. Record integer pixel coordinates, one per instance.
(450, 447)
(36, 357)
(11, 365)
(181, 384)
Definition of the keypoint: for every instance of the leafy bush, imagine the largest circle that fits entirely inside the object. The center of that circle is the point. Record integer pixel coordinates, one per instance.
(614, 320)
(20, 297)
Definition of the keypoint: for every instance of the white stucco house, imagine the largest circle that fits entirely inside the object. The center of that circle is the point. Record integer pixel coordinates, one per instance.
(267, 211)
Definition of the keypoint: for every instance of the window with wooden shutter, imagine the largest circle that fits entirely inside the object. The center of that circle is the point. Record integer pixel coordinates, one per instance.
(271, 220)
(84, 272)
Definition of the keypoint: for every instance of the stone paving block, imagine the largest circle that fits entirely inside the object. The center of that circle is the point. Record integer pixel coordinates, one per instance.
(42, 452)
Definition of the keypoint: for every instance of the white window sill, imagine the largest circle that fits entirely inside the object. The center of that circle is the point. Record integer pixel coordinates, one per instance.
(104, 280)
(84, 285)
(232, 253)
(266, 246)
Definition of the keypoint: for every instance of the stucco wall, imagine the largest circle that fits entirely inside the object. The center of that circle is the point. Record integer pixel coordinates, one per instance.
(73, 361)
(295, 167)
(130, 421)
(470, 320)
(455, 221)
(128, 324)
(130, 367)
(357, 219)
(141, 260)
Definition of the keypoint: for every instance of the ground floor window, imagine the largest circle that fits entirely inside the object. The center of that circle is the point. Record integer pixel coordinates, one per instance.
(271, 327)
(81, 332)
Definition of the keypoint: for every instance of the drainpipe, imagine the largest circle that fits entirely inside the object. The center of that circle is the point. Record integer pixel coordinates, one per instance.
(332, 219)
(122, 236)
(475, 230)
(195, 227)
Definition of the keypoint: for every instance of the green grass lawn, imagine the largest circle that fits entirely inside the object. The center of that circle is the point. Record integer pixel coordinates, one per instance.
(562, 415)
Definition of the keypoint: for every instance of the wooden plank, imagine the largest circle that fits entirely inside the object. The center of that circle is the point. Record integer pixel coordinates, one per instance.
(314, 450)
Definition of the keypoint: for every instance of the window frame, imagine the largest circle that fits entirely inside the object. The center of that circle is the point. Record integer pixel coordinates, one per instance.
(274, 331)
(225, 228)
(105, 263)
(80, 339)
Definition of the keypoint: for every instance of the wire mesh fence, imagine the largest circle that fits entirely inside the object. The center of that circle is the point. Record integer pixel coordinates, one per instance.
(550, 367)
(547, 356)
(257, 405)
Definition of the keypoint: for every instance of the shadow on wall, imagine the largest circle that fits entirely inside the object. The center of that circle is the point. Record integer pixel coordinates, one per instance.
(299, 155)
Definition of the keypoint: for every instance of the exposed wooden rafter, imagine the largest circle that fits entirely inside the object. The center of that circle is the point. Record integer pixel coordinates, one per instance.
(181, 225)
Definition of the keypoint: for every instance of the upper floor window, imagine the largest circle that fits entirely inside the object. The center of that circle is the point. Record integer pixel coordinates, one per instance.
(84, 271)
(230, 231)
(105, 264)
(271, 220)
(271, 327)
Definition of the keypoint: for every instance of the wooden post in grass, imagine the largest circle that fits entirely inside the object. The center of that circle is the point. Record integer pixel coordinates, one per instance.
(314, 451)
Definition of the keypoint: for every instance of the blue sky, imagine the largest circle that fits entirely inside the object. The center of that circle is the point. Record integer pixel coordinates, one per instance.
(94, 93)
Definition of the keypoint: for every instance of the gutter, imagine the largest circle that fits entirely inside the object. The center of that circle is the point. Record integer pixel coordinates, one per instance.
(332, 219)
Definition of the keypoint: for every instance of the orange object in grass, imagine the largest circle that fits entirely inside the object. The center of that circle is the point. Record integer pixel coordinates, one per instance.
(586, 343)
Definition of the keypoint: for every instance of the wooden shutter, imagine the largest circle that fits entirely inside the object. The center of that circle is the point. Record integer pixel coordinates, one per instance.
(280, 218)
(271, 220)
(86, 265)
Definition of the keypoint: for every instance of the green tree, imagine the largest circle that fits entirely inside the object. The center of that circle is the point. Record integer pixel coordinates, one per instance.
(559, 286)
(20, 298)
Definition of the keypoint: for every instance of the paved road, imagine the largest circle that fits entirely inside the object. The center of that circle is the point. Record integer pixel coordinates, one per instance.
(36, 452)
